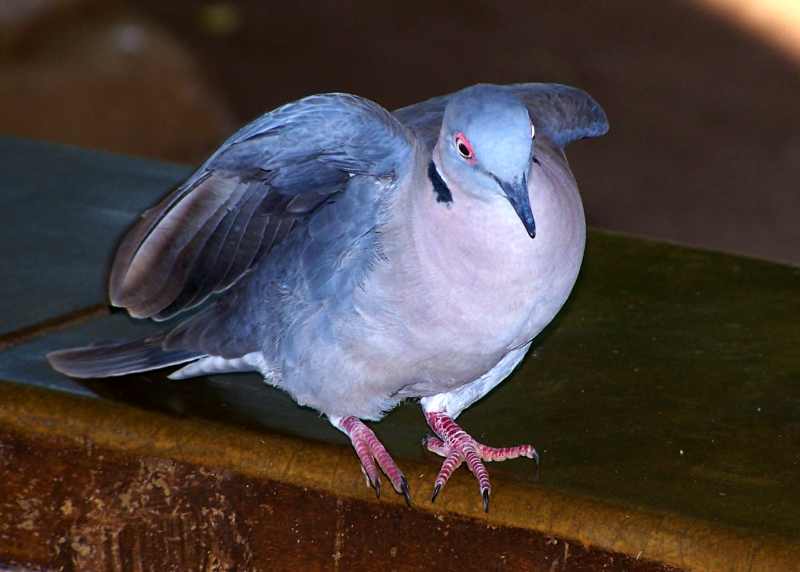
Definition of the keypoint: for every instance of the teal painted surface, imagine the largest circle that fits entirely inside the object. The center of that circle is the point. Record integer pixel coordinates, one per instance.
(63, 209)
(670, 381)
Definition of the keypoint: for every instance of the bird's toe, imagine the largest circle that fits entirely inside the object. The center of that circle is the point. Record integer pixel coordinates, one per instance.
(374, 456)
(457, 447)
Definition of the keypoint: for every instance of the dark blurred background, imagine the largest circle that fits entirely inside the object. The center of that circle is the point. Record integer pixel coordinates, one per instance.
(703, 95)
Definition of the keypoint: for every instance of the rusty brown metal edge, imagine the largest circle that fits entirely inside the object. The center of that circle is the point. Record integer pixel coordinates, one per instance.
(671, 539)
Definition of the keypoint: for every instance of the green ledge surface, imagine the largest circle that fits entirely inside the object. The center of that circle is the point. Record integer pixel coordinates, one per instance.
(670, 382)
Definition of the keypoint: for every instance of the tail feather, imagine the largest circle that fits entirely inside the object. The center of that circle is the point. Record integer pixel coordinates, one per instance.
(118, 358)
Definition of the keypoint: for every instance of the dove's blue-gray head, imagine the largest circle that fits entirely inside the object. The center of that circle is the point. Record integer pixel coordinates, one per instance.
(485, 147)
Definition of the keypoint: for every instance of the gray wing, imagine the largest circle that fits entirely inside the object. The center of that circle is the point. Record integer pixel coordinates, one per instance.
(267, 178)
(564, 114)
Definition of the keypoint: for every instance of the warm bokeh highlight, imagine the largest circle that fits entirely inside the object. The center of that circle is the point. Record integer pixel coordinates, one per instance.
(776, 21)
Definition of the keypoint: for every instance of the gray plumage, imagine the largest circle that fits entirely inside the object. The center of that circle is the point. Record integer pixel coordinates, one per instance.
(339, 273)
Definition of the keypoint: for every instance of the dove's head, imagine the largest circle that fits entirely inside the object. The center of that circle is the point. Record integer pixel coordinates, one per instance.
(485, 147)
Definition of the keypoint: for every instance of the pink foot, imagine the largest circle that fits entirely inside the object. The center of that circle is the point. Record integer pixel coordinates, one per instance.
(369, 450)
(457, 446)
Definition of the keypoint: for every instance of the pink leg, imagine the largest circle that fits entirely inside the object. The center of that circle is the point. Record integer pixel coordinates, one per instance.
(457, 446)
(369, 450)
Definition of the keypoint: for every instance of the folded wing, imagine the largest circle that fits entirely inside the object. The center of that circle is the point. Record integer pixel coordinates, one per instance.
(264, 180)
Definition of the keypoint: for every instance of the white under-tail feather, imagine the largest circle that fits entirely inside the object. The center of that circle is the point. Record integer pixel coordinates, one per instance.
(254, 361)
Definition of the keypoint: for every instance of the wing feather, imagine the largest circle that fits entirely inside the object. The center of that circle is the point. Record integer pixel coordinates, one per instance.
(267, 178)
(208, 268)
(158, 252)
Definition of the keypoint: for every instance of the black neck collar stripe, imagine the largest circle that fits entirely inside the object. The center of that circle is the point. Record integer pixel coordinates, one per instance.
(443, 194)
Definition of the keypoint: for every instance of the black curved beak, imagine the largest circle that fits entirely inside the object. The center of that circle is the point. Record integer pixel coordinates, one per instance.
(517, 195)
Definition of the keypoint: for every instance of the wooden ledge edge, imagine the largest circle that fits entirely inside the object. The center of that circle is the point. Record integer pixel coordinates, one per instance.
(671, 539)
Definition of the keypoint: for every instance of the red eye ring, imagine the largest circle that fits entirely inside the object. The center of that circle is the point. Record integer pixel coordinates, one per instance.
(464, 147)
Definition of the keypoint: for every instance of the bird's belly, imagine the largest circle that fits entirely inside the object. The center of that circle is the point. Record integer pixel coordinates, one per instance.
(477, 330)
(485, 288)
(456, 323)
(454, 293)
(424, 336)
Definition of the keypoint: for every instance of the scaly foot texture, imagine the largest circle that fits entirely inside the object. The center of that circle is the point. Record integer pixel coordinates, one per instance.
(372, 455)
(457, 446)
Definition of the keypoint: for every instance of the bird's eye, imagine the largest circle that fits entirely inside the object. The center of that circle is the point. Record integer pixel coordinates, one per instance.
(463, 146)
(533, 131)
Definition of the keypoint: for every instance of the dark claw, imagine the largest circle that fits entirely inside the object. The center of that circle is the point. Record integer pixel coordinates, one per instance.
(486, 500)
(377, 486)
(538, 467)
(405, 491)
(436, 490)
